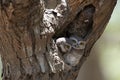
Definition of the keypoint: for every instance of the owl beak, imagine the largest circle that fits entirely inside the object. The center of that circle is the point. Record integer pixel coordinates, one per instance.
(80, 45)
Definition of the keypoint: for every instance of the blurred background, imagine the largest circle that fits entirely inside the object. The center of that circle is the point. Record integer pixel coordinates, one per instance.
(104, 61)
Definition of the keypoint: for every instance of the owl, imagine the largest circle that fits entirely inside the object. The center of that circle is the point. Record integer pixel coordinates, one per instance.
(64, 44)
(72, 47)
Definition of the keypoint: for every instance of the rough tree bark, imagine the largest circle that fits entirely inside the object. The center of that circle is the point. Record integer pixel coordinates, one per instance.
(31, 32)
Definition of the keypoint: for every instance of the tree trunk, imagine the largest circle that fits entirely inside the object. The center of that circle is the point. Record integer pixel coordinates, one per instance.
(41, 41)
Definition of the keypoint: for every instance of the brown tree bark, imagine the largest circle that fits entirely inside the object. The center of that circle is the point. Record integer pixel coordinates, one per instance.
(29, 30)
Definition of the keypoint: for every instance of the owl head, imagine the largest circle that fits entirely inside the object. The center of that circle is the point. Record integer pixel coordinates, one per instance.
(77, 42)
(64, 44)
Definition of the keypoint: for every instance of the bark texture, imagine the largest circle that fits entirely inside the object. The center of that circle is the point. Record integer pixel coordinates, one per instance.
(29, 30)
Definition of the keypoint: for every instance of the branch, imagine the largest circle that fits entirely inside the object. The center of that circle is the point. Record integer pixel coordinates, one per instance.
(53, 18)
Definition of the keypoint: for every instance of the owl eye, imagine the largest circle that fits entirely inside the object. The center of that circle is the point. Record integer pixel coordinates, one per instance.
(82, 44)
(79, 45)
(67, 47)
(73, 40)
